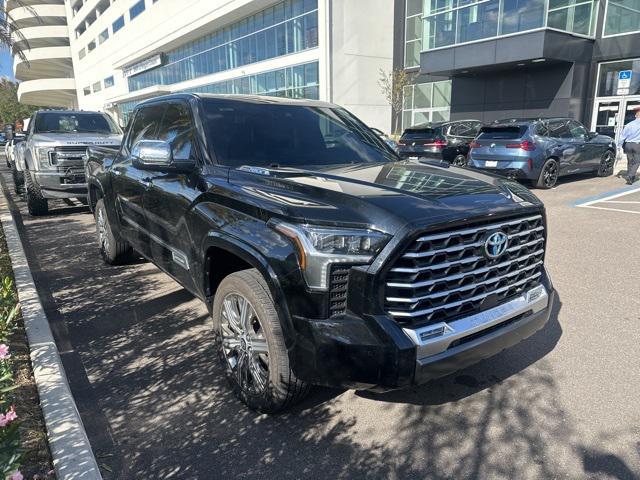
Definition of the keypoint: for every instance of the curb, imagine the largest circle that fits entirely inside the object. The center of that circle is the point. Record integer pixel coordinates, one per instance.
(68, 442)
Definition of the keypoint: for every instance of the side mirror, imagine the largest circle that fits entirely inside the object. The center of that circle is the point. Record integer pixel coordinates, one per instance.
(157, 155)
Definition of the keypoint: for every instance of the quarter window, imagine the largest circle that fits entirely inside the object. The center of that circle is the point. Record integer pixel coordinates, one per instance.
(559, 129)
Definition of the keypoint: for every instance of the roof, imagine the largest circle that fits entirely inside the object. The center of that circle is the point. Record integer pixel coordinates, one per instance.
(524, 121)
(75, 112)
(256, 99)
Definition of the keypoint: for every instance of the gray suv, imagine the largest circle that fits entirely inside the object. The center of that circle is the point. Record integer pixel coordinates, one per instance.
(541, 150)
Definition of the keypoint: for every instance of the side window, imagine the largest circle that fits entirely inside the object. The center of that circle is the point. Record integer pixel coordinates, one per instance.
(177, 129)
(145, 125)
(577, 130)
(542, 129)
(559, 129)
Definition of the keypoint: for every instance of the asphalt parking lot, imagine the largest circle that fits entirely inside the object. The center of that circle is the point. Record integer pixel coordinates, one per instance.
(563, 404)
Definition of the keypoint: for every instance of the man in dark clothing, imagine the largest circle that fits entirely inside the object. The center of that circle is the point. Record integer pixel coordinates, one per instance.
(630, 141)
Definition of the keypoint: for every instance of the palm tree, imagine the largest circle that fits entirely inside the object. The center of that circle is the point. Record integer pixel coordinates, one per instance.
(9, 34)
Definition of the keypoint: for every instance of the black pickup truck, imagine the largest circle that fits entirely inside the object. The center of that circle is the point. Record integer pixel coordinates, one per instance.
(323, 257)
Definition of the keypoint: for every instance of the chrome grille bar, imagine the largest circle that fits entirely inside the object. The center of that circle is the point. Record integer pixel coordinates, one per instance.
(458, 276)
(439, 236)
(428, 311)
(466, 287)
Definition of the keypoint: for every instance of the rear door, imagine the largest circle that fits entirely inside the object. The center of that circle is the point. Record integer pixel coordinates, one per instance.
(170, 196)
(565, 146)
(130, 183)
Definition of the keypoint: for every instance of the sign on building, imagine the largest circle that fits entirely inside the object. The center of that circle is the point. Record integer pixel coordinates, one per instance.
(143, 66)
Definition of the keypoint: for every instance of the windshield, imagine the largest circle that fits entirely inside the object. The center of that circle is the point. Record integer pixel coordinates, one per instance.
(64, 122)
(280, 135)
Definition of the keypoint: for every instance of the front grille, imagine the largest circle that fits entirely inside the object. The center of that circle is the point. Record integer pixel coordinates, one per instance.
(447, 275)
(70, 155)
(73, 174)
(338, 285)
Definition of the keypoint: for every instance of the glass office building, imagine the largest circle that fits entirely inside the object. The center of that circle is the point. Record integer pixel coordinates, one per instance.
(521, 58)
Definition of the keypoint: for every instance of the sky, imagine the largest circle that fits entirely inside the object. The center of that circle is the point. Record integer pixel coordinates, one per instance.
(6, 64)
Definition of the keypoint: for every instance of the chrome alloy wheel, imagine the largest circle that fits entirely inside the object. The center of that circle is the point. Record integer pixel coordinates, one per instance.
(103, 234)
(244, 344)
(550, 174)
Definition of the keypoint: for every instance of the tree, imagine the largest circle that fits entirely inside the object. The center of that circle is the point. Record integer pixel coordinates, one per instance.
(10, 109)
(392, 85)
(9, 34)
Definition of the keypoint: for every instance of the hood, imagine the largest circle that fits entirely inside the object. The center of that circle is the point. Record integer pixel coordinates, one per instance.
(82, 139)
(385, 197)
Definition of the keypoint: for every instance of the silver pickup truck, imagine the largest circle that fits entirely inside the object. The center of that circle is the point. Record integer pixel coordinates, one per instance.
(55, 151)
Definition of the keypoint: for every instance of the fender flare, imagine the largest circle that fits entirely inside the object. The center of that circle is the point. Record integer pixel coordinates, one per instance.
(258, 261)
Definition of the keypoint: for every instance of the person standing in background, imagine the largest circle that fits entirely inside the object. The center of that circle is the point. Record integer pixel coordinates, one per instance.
(629, 141)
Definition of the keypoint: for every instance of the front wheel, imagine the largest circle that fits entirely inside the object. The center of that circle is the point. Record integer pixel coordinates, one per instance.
(460, 161)
(36, 203)
(549, 174)
(113, 249)
(251, 345)
(606, 164)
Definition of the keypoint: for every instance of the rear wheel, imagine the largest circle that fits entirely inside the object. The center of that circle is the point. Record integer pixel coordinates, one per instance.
(606, 164)
(460, 161)
(251, 345)
(549, 174)
(113, 249)
(36, 203)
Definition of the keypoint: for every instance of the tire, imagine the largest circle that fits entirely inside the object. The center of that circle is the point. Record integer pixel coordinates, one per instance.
(262, 381)
(113, 249)
(607, 164)
(459, 161)
(18, 180)
(549, 174)
(36, 203)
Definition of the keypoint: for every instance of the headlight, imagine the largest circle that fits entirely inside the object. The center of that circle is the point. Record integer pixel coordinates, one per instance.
(43, 156)
(319, 247)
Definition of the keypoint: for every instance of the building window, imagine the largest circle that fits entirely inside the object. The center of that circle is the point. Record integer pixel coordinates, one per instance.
(426, 102)
(96, 87)
(109, 82)
(623, 16)
(82, 53)
(136, 10)
(300, 81)
(103, 37)
(91, 46)
(608, 78)
(288, 27)
(118, 24)
(86, 91)
(413, 33)
(447, 22)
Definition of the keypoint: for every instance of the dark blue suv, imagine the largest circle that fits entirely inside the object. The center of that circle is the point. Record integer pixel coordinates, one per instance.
(541, 150)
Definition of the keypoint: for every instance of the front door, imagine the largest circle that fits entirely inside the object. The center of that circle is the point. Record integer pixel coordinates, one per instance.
(130, 183)
(169, 199)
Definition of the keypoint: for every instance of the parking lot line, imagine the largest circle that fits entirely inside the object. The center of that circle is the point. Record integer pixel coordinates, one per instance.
(610, 198)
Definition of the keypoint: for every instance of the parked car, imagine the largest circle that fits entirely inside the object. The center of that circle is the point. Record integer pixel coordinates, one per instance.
(321, 257)
(8, 148)
(387, 139)
(542, 150)
(447, 141)
(55, 150)
(3, 140)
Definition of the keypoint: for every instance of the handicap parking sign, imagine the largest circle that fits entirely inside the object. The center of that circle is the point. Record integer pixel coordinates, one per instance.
(625, 74)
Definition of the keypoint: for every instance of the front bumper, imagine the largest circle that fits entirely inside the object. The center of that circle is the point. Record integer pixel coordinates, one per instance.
(376, 353)
(61, 185)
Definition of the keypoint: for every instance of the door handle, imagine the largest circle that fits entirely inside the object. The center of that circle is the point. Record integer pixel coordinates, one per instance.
(147, 182)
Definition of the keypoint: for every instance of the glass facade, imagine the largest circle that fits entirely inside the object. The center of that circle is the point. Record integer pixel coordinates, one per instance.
(623, 16)
(426, 102)
(413, 33)
(288, 27)
(608, 80)
(299, 81)
(451, 22)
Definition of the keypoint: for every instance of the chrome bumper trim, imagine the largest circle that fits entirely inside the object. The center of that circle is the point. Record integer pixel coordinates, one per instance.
(436, 338)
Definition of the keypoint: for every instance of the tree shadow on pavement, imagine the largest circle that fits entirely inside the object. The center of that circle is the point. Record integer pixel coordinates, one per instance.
(147, 350)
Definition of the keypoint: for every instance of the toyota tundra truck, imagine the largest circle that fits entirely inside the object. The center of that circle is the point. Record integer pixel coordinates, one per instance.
(52, 158)
(323, 258)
